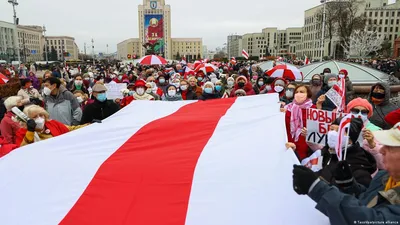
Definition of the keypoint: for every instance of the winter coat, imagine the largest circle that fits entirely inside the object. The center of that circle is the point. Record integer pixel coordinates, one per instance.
(356, 203)
(205, 96)
(64, 107)
(349, 90)
(99, 111)
(248, 88)
(328, 104)
(9, 128)
(362, 164)
(28, 95)
(380, 111)
(198, 91)
(3, 109)
(188, 95)
(35, 81)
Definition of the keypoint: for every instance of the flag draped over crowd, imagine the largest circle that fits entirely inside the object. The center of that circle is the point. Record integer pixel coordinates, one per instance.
(152, 163)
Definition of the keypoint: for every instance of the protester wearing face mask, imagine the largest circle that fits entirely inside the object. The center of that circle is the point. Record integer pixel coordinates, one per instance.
(185, 91)
(268, 85)
(242, 83)
(259, 85)
(100, 109)
(278, 86)
(322, 101)
(296, 119)
(349, 201)
(219, 88)
(149, 90)
(40, 127)
(254, 78)
(172, 94)
(194, 87)
(379, 97)
(362, 163)
(29, 94)
(230, 83)
(289, 93)
(77, 85)
(61, 104)
(9, 127)
(209, 92)
(162, 83)
(154, 88)
(316, 83)
(83, 99)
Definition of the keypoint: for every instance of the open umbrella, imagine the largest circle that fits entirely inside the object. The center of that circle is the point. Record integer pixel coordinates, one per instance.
(206, 68)
(197, 63)
(152, 60)
(285, 71)
(3, 79)
(188, 72)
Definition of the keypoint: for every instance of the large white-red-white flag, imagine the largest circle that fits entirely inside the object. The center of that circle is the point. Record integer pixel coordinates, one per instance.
(155, 163)
(245, 54)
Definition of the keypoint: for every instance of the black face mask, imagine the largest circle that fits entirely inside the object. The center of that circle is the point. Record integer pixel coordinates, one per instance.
(378, 95)
(241, 84)
(316, 82)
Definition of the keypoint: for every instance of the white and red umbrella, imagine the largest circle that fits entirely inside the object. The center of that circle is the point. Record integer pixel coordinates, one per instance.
(197, 63)
(152, 60)
(285, 71)
(206, 68)
(188, 72)
(3, 79)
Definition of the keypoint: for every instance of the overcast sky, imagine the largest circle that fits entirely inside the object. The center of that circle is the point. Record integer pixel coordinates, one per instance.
(110, 22)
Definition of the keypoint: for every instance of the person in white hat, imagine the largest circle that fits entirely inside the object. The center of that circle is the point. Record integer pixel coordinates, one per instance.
(350, 202)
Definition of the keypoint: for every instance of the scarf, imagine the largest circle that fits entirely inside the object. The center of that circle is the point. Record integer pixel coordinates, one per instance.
(56, 128)
(177, 97)
(391, 184)
(296, 117)
(145, 96)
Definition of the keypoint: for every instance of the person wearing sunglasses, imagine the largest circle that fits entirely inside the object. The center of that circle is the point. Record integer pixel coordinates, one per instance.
(362, 109)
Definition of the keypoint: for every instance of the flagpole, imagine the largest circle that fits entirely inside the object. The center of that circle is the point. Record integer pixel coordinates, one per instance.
(345, 148)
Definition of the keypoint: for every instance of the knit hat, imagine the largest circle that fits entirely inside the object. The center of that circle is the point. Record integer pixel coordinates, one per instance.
(140, 83)
(240, 91)
(360, 102)
(279, 82)
(329, 76)
(209, 83)
(241, 78)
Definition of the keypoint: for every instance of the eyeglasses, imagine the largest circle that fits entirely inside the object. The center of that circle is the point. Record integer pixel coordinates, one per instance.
(357, 111)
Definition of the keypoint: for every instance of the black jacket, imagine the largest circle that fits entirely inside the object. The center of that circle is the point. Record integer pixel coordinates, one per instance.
(206, 96)
(361, 162)
(98, 111)
(3, 109)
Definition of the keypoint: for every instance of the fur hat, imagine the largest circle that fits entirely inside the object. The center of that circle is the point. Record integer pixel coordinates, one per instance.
(240, 91)
(360, 102)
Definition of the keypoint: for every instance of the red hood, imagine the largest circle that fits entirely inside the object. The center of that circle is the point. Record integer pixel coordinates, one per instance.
(247, 87)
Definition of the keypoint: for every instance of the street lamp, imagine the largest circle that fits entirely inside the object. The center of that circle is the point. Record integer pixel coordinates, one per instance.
(93, 52)
(45, 44)
(16, 43)
(323, 29)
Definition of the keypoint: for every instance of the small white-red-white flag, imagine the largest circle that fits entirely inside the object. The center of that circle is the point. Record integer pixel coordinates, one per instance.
(314, 162)
(306, 61)
(245, 54)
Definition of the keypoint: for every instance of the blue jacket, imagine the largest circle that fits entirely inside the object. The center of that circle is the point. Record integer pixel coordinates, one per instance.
(358, 204)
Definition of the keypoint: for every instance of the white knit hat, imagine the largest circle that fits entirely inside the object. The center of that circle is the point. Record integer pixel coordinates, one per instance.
(208, 83)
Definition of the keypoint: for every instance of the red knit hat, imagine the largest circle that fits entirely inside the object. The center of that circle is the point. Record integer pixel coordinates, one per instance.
(241, 78)
(360, 102)
(140, 83)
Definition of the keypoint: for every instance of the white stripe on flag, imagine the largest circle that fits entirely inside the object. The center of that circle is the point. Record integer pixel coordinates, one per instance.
(68, 168)
(237, 180)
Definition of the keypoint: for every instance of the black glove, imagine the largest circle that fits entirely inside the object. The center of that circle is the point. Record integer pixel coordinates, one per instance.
(343, 175)
(96, 121)
(31, 124)
(303, 178)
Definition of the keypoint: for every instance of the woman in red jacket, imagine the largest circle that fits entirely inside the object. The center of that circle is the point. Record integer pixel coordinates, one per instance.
(296, 119)
(243, 83)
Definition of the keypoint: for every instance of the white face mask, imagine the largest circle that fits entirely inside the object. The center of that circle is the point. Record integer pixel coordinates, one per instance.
(80, 99)
(289, 94)
(268, 87)
(39, 123)
(140, 91)
(171, 93)
(46, 91)
(184, 87)
(278, 89)
(214, 80)
(148, 91)
(78, 83)
(333, 139)
(230, 83)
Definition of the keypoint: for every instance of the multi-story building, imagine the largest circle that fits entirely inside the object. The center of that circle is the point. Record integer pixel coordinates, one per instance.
(380, 16)
(270, 41)
(31, 44)
(155, 33)
(7, 42)
(384, 18)
(65, 47)
(129, 49)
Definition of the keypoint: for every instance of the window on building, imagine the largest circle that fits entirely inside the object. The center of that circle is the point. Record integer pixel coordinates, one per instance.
(397, 29)
(375, 21)
(387, 14)
(385, 29)
(380, 21)
(381, 14)
(370, 14)
(393, 13)
(398, 14)
(380, 29)
(397, 21)
(391, 29)
(390, 37)
(386, 21)
(376, 14)
(392, 21)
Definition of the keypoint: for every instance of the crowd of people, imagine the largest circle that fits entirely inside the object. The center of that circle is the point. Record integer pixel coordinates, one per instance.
(76, 97)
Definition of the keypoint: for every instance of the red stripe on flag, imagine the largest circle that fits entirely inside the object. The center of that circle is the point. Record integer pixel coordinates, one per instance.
(148, 180)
